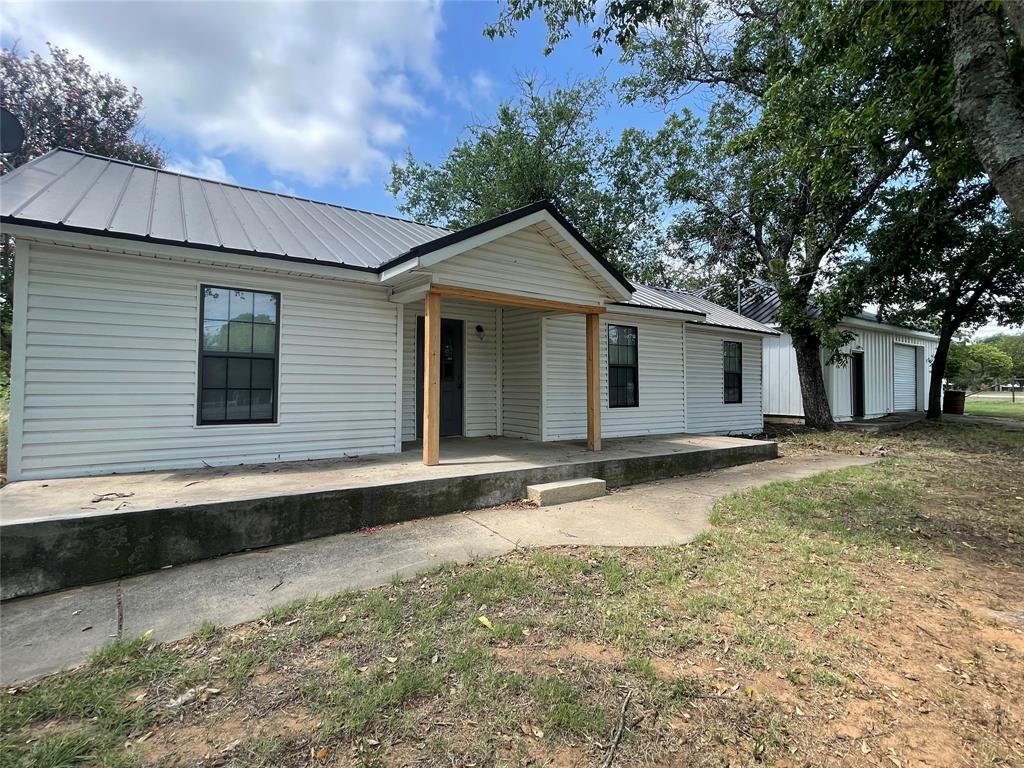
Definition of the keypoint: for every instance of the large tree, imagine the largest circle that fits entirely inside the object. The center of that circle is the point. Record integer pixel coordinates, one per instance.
(987, 40)
(816, 108)
(61, 102)
(946, 255)
(544, 146)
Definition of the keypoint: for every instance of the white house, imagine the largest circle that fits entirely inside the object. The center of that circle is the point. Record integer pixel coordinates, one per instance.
(165, 321)
(887, 369)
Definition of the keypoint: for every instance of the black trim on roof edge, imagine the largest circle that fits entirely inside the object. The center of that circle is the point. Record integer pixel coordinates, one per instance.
(767, 332)
(464, 234)
(181, 244)
(658, 309)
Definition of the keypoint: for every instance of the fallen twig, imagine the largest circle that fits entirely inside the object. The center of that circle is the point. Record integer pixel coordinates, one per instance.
(932, 636)
(113, 495)
(617, 736)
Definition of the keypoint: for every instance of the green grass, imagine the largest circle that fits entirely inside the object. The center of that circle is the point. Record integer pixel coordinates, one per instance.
(778, 601)
(993, 406)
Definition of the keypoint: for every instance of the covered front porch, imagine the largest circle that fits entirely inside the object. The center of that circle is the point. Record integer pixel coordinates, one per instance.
(63, 533)
(474, 366)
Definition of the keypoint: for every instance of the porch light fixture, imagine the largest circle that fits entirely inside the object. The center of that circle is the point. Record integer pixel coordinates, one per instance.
(480, 332)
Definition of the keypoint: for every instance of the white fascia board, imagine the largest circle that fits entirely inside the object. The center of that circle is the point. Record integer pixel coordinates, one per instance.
(871, 325)
(185, 254)
(398, 270)
(411, 291)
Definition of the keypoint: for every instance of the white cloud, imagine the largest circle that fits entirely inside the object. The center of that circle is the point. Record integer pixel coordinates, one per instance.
(205, 166)
(482, 84)
(315, 91)
(282, 189)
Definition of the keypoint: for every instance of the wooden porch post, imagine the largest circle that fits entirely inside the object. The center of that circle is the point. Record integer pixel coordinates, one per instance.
(432, 379)
(594, 382)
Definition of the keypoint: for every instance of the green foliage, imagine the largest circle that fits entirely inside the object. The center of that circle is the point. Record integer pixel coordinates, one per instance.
(62, 102)
(1012, 345)
(543, 146)
(978, 365)
(948, 254)
(817, 105)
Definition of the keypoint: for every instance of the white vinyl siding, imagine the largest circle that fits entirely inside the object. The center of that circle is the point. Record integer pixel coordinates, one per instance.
(480, 360)
(520, 374)
(782, 382)
(904, 378)
(662, 408)
(524, 263)
(707, 411)
(110, 360)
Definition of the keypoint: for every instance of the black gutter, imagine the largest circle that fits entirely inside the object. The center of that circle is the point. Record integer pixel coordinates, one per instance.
(181, 244)
(505, 218)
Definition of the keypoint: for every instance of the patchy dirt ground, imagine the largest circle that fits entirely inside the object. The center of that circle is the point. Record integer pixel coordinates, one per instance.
(872, 616)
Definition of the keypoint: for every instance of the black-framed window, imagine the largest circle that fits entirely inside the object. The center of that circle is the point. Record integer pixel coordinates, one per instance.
(732, 359)
(238, 345)
(623, 367)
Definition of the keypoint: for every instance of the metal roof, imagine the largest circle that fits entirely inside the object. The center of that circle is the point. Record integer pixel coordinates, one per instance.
(763, 306)
(79, 192)
(679, 301)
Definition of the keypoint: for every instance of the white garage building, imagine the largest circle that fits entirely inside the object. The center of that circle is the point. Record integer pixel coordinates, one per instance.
(887, 371)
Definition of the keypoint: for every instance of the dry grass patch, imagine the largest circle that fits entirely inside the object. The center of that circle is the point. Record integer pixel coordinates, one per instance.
(868, 616)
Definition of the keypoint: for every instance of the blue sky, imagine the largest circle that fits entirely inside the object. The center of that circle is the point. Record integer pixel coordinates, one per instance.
(314, 99)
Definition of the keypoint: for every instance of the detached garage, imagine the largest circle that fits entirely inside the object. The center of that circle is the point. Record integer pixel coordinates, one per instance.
(886, 370)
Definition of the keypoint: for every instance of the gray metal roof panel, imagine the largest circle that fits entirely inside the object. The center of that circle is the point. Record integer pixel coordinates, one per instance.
(168, 218)
(198, 219)
(764, 305)
(101, 198)
(72, 189)
(714, 314)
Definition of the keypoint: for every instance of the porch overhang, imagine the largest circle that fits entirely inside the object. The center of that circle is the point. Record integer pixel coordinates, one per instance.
(544, 215)
(432, 355)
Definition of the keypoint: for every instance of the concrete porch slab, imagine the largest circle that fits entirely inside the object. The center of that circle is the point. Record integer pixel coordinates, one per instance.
(889, 423)
(64, 533)
(45, 633)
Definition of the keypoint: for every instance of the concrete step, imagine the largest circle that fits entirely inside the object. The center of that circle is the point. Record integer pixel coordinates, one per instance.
(564, 491)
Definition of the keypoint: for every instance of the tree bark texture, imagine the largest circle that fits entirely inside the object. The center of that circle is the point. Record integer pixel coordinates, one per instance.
(817, 412)
(988, 101)
(938, 373)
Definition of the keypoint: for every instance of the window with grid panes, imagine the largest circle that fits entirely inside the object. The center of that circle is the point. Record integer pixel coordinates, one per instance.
(623, 367)
(238, 351)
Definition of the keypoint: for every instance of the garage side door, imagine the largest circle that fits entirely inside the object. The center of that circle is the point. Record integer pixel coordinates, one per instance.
(905, 377)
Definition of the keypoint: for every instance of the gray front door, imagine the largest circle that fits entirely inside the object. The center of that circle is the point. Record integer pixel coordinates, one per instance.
(452, 377)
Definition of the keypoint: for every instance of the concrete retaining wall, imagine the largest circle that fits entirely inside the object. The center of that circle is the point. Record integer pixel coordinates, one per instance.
(56, 554)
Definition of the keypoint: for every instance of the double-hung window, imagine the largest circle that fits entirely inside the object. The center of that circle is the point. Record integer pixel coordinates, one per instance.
(623, 367)
(238, 349)
(732, 359)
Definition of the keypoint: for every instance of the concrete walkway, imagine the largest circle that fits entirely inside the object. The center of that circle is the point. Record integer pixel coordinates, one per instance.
(40, 635)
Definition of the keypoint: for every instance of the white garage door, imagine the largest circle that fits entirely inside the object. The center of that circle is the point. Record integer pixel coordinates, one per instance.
(905, 378)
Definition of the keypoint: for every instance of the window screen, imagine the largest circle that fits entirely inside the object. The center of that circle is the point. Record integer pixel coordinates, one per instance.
(732, 355)
(237, 356)
(623, 367)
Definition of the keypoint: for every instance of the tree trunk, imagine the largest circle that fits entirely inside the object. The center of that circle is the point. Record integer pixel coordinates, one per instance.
(939, 373)
(988, 101)
(817, 412)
